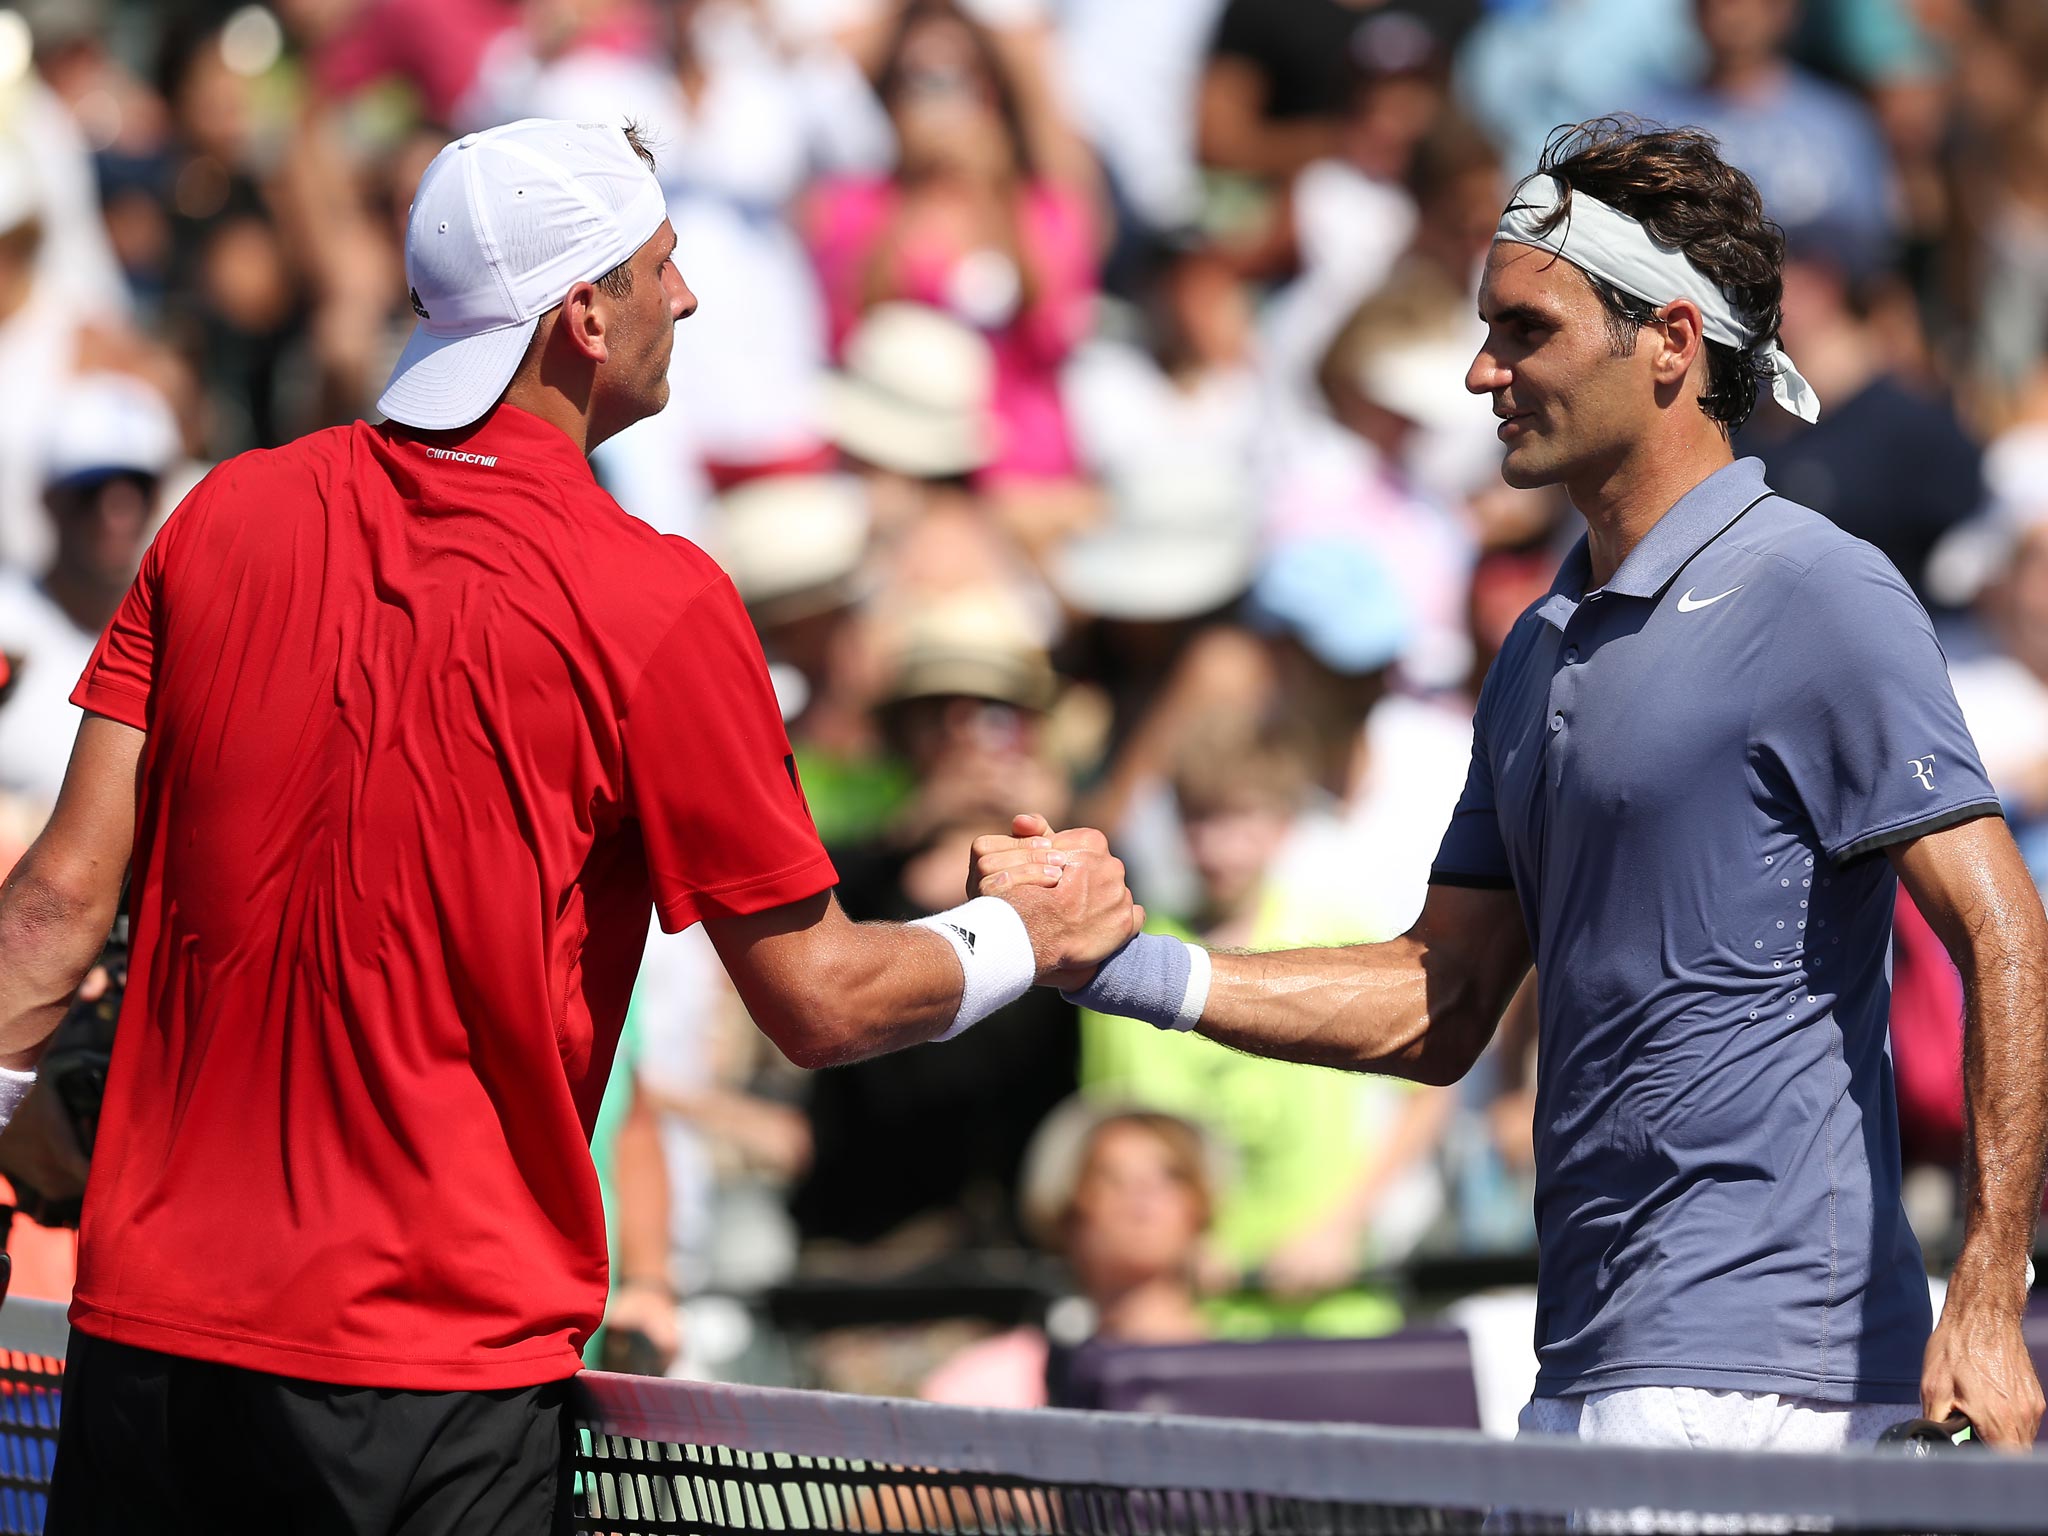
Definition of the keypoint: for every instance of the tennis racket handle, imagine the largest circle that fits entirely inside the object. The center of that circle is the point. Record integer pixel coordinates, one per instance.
(1925, 1437)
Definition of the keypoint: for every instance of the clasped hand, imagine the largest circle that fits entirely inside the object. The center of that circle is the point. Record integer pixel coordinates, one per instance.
(1069, 889)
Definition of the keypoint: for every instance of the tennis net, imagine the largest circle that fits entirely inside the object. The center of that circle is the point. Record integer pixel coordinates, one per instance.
(654, 1458)
(659, 1457)
(32, 1340)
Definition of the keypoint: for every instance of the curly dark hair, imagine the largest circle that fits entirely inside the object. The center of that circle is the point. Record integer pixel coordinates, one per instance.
(1674, 182)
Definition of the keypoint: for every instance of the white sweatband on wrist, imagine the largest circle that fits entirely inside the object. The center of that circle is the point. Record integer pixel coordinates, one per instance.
(14, 1087)
(1159, 979)
(997, 964)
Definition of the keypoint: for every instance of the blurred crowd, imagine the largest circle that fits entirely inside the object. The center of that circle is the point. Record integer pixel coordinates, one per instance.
(1076, 399)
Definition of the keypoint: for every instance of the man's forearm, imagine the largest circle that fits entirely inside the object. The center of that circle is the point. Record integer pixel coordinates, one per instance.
(1360, 1008)
(51, 931)
(640, 1182)
(2005, 1085)
(902, 989)
(1421, 1006)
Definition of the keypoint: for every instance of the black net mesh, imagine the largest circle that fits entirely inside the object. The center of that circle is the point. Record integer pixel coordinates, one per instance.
(31, 1388)
(631, 1487)
(654, 1458)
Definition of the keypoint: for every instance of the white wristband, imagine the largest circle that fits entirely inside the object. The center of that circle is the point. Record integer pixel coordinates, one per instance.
(997, 964)
(14, 1087)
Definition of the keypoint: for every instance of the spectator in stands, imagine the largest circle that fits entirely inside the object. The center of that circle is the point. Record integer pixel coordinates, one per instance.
(747, 110)
(60, 315)
(1339, 621)
(1527, 67)
(1152, 590)
(922, 1157)
(911, 413)
(113, 438)
(443, 49)
(1334, 1172)
(249, 287)
(973, 222)
(1349, 214)
(796, 546)
(1280, 77)
(2000, 562)
(1888, 460)
(1184, 393)
(1351, 476)
(1426, 298)
(1124, 1195)
(2012, 295)
(1133, 68)
(1756, 101)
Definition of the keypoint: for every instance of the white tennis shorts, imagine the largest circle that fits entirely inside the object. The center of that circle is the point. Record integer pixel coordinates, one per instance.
(1699, 1418)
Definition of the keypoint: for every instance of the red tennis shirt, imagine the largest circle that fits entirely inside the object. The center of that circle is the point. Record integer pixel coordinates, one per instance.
(431, 722)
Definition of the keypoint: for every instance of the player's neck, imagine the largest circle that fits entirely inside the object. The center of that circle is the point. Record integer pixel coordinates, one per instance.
(553, 406)
(1622, 502)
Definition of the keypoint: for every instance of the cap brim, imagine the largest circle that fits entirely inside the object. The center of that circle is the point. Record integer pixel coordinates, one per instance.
(1115, 575)
(75, 475)
(927, 446)
(450, 381)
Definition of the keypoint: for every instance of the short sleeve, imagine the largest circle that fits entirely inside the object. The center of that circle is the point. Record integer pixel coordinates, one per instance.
(1472, 852)
(1859, 717)
(710, 776)
(120, 679)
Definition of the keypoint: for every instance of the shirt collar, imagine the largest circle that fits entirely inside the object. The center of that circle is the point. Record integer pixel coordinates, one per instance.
(1700, 516)
(506, 432)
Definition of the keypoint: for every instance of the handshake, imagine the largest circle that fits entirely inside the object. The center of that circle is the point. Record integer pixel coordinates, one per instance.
(1069, 890)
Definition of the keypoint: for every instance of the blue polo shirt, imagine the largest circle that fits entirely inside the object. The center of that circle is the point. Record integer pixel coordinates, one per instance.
(1686, 776)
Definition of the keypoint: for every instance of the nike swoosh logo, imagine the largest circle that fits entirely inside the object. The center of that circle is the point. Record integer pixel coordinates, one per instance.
(1688, 604)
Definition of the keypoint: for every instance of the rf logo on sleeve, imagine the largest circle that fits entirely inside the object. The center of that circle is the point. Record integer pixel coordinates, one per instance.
(1923, 770)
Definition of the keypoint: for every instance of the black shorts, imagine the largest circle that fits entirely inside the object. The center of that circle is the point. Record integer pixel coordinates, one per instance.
(157, 1443)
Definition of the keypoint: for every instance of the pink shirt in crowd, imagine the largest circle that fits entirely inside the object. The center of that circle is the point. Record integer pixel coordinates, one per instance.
(850, 217)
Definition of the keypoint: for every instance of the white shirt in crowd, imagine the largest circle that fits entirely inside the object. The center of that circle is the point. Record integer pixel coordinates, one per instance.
(1369, 857)
(39, 721)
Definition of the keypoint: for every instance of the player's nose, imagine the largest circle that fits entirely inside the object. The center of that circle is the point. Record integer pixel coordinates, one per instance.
(1486, 374)
(682, 303)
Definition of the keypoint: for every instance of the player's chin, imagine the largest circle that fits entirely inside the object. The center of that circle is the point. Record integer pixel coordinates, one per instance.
(1525, 468)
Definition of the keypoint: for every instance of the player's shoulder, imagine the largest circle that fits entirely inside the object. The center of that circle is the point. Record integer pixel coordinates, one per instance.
(1798, 546)
(637, 552)
(256, 487)
(255, 473)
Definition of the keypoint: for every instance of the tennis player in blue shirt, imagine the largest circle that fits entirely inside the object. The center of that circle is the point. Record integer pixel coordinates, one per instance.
(1700, 768)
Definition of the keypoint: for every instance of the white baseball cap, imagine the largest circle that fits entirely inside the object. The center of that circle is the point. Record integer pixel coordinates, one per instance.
(505, 222)
(109, 424)
(913, 396)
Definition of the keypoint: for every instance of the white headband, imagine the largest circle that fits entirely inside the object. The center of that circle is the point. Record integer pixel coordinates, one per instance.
(1606, 243)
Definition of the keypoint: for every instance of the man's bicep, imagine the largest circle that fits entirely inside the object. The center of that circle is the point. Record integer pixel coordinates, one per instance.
(1971, 884)
(710, 775)
(769, 953)
(1470, 935)
(84, 849)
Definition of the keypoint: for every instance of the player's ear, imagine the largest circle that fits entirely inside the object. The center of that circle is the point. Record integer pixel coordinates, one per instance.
(1680, 337)
(584, 322)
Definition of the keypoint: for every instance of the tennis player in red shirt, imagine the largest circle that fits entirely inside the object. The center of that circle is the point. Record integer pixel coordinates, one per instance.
(403, 728)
